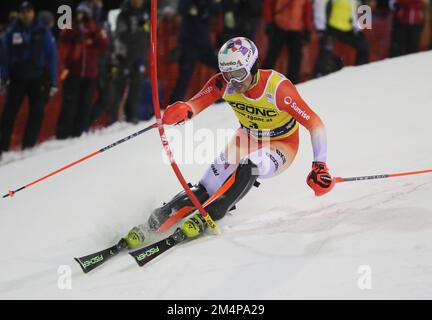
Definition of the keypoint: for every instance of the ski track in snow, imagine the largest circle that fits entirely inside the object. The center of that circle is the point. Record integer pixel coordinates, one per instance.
(281, 242)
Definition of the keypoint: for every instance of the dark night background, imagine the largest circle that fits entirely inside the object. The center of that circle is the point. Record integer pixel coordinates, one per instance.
(6, 6)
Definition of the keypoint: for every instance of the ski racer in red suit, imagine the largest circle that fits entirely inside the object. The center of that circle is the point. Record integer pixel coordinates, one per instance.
(269, 109)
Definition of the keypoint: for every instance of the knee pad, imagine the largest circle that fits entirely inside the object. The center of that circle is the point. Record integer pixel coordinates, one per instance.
(234, 189)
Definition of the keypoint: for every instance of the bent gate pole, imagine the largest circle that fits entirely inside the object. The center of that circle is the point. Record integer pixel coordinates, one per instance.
(156, 106)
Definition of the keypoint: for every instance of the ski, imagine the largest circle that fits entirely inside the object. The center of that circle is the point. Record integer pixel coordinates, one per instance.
(146, 254)
(94, 260)
(190, 229)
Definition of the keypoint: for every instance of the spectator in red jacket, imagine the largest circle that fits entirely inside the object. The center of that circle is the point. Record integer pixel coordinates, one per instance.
(408, 23)
(287, 22)
(82, 45)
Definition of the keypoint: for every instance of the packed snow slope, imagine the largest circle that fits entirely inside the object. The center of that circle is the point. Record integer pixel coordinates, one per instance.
(280, 243)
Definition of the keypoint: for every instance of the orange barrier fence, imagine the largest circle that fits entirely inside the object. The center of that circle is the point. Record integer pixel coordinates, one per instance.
(378, 38)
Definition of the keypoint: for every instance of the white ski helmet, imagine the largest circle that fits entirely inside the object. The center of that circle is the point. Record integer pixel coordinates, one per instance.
(236, 58)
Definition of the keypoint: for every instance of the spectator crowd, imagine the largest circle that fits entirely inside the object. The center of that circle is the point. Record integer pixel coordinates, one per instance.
(99, 67)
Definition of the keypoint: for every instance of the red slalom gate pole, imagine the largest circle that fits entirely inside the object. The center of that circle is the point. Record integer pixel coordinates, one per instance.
(156, 106)
(91, 155)
(381, 176)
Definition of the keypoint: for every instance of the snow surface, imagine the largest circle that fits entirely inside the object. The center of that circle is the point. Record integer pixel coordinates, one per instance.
(281, 242)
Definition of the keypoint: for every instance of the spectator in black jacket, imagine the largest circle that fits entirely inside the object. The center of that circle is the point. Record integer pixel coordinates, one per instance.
(409, 19)
(131, 49)
(30, 69)
(240, 19)
(194, 41)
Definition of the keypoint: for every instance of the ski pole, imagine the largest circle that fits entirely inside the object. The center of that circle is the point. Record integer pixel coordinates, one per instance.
(164, 140)
(91, 155)
(380, 176)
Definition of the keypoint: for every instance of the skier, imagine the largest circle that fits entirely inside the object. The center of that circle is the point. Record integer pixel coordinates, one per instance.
(269, 109)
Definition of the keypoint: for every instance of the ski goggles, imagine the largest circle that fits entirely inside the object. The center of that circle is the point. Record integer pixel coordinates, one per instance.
(239, 75)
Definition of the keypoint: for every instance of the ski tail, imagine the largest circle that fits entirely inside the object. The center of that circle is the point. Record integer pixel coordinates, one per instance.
(94, 260)
(146, 254)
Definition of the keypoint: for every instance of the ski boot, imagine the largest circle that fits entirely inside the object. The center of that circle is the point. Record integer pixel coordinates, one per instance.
(136, 236)
(178, 202)
(193, 226)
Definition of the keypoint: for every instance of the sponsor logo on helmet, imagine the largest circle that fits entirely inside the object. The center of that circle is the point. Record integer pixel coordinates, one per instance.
(236, 45)
(226, 64)
(230, 66)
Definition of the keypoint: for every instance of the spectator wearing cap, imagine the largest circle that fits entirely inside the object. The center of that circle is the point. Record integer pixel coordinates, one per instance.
(82, 45)
(288, 22)
(408, 23)
(30, 70)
